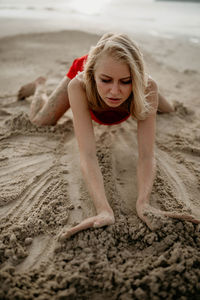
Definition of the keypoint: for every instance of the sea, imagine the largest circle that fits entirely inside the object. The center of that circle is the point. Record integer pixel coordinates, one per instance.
(156, 18)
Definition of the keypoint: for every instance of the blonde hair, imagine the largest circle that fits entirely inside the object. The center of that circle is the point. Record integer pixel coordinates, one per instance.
(122, 48)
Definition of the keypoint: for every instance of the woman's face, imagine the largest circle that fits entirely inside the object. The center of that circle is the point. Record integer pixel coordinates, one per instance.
(113, 80)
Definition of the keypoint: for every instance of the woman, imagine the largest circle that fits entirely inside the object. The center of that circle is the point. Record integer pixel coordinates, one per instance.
(107, 86)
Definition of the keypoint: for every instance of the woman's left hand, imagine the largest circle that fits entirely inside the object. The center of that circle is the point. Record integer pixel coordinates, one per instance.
(145, 209)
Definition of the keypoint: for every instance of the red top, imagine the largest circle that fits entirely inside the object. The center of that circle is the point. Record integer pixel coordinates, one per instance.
(110, 117)
(77, 66)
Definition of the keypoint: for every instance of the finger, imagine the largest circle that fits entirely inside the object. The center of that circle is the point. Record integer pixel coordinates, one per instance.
(87, 223)
(183, 217)
(149, 224)
(146, 221)
(97, 224)
(103, 220)
(100, 223)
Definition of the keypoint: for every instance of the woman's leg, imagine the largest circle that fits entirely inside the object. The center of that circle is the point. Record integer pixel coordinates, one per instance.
(163, 105)
(46, 110)
(40, 98)
(26, 90)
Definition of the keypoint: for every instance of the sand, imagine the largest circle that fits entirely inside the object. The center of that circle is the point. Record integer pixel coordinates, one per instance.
(42, 191)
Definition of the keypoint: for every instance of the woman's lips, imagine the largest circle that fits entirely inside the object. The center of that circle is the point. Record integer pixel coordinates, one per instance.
(114, 99)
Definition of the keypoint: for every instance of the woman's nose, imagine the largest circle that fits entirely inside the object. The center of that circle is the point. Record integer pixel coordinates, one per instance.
(114, 89)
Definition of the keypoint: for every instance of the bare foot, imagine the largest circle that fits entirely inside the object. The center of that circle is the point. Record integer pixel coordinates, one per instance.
(102, 219)
(29, 89)
(40, 80)
(144, 211)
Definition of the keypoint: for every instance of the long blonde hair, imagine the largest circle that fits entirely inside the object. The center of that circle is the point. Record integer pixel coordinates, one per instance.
(122, 48)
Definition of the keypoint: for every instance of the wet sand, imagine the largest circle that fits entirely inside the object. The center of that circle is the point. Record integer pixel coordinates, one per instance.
(42, 190)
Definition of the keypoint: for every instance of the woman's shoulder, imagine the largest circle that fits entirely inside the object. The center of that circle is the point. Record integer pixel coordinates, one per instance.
(77, 82)
(151, 93)
(77, 96)
(80, 77)
(150, 83)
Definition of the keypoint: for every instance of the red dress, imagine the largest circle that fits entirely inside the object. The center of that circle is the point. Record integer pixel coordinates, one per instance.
(110, 117)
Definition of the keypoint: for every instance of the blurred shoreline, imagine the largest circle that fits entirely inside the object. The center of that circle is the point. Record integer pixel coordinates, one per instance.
(166, 19)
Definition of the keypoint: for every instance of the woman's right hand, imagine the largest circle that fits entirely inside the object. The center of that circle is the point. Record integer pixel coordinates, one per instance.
(102, 219)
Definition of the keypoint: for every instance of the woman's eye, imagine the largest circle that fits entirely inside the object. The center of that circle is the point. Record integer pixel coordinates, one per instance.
(127, 82)
(109, 80)
(105, 80)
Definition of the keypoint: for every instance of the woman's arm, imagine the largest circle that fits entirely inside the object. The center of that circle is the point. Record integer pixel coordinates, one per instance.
(146, 167)
(146, 162)
(89, 163)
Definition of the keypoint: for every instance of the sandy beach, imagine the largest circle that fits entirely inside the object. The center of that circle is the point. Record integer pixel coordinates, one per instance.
(42, 190)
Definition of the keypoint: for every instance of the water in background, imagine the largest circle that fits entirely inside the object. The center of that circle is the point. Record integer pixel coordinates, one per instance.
(154, 17)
